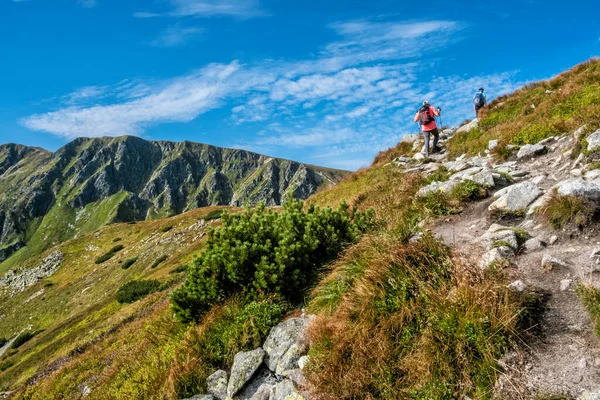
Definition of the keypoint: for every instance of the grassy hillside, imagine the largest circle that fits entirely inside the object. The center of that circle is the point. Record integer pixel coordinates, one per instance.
(397, 315)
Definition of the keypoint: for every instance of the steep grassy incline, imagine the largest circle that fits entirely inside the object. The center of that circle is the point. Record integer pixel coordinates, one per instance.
(537, 111)
(47, 198)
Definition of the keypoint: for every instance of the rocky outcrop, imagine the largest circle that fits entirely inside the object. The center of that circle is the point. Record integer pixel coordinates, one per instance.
(515, 198)
(271, 372)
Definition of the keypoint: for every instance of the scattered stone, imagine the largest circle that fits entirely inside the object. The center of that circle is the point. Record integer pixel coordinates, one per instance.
(516, 197)
(499, 234)
(19, 281)
(492, 144)
(484, 178)
(245, 365)
(565, 284)
(285, 390)
(595, 253)
(433, 187)
(419, 157)
(547, 141)
(550, 262)
(553, 239)
(589, 396)
(465, 174)
(592, 175)
(578, 161)
(531, 150)
(303, 361)
(593, 141)
(533, 244)
(579, 188)
(495, 255)
(285, 345)
(217, 384)
(539, 203)
(576, 172)
(469, 127)
(260, 387)
(201, 397)
(538, 179)
(579, 132)
(518, 174)
(500, 179)
(517, 286)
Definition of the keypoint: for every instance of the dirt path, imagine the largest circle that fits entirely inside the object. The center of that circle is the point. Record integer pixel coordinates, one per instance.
(562, 358)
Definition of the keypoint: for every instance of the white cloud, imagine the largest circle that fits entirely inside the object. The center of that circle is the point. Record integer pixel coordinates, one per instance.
(87, 3)
(176, 36)
(356, 97)
(209, 8)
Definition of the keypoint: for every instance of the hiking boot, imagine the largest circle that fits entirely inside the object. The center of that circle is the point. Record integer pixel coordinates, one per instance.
(437, 149)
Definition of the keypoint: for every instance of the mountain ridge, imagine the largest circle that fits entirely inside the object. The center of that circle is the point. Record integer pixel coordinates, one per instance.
(127, 178)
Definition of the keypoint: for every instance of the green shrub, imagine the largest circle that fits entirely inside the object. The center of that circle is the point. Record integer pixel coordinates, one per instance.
(129, 262)
(117, 239)
(22, 339)
(261, 252)
(166, 229)
(6, 365)
(181, 268)
(158, 261)
(3, 341)
(136, 290)
(216, 214)
(441, 175)
(110, 254)
(468, 191)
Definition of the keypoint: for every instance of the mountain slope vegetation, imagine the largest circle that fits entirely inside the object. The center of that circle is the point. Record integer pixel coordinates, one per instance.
(400, 311)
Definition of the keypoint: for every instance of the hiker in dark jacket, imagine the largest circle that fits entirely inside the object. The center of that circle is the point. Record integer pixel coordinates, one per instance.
(479, 101)
(426, 117)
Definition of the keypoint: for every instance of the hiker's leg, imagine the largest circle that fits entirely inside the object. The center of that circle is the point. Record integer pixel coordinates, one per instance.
(426, 136)
(436, 137)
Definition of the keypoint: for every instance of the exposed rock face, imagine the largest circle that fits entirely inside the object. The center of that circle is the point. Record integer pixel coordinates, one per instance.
(217, 384)
(285, 345)
(593, 141)
(516, 197)
(128, 178)
(579, 188)
(531, 150)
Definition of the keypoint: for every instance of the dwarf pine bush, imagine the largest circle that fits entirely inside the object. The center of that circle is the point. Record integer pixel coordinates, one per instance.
(262, 252)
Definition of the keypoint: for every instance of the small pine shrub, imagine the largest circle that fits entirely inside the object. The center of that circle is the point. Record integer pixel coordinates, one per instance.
(179, 269)
(128, 263)
(3, 341)
(216, 214)
(563, 210)
(110, 254)
(22, 339)
(6, 365)
(117, 239)
(137, 290)
(159, 261)
(166, 229)
(262, 252)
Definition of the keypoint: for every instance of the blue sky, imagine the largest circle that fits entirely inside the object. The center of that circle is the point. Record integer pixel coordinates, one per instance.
(326, 82)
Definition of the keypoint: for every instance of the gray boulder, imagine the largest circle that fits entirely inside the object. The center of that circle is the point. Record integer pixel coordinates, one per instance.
(217, 384)
(245, 364)
(484, 178)
(495, 255)
(492, 144)
(516, 197)
(593, 141)
(590, 396)
(531, 150)
(550, 262)
(465, 174)
(285, 345)
(201, 397)
(285, 390)
(260, 387)
(433, 187)
(497, 234)
(533, 244)
(469, 127)
(517, 286)
(592, 175)
(579, 188)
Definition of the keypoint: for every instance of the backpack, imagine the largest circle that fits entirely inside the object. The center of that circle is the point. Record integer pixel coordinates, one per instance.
(479, 100)
(426, 117)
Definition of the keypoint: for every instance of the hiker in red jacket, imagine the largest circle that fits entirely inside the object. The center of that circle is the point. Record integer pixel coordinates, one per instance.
(426, 117)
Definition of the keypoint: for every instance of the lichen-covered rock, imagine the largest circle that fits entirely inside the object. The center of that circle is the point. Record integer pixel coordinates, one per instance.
(494, 255)
(593, 141)
(260, 387)
(550, 262)
(245, 364)
(469, 127)
(433, 187)
(516, 198)
(531, 150)
(579, 188)
(285, 345)
(285, 390)
(217, 384)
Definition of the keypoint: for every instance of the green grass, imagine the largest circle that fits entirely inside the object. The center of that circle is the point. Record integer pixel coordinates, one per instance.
(561, 211)
(22, 339)
(590, 297)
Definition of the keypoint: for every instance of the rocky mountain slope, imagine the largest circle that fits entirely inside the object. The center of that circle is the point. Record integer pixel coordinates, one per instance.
(46, 198)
